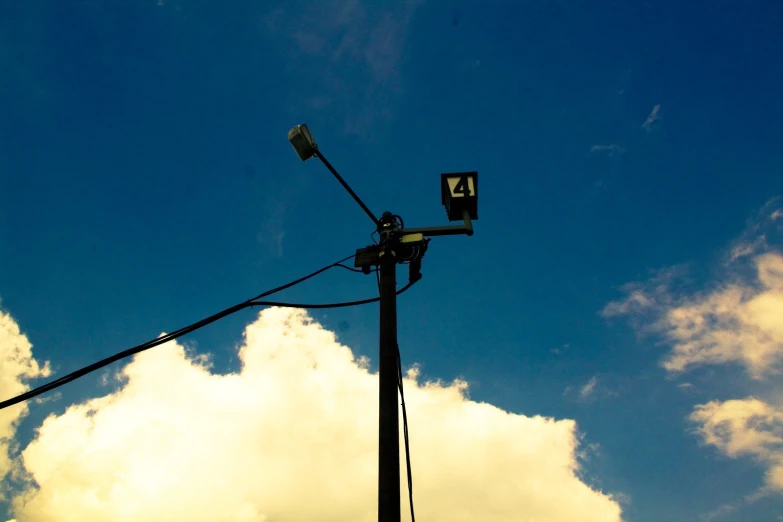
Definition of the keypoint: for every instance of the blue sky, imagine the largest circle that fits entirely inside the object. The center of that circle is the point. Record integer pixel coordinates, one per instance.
(147, 182)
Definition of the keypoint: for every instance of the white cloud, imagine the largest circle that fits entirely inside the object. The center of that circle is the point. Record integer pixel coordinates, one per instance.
(754, 240)
(594, 389)
(610, 150)
(744, 249)
(653, 117)
(719, 512)
(746, 427)
(686, 386)
(588, 389)
(737, 323)
(636, 301)
(16, 367)
(298, 421)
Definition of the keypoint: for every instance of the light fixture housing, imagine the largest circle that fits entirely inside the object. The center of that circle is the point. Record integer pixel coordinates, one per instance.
(303, 142)
(459, 194)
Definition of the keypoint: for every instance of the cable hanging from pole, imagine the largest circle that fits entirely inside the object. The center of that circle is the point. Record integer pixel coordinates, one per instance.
(405, 434)
(252, 302)
(404, 411)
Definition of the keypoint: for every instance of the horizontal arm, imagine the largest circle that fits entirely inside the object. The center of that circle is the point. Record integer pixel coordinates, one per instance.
(451, 230)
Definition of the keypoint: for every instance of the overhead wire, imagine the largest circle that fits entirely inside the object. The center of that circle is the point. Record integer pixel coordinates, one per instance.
(352, 269)
(252, 302)
(301, 279)
(330, 305)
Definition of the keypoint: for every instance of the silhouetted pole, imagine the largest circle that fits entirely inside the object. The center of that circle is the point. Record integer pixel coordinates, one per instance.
(388, 418)
(459, 195)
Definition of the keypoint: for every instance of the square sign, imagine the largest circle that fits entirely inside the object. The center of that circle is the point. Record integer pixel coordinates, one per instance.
(459, 194)
(461, 186)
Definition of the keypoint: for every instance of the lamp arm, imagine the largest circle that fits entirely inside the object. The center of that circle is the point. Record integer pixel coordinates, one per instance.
(450, 230)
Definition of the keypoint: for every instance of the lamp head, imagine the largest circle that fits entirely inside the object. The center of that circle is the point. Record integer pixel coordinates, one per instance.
(303, 142)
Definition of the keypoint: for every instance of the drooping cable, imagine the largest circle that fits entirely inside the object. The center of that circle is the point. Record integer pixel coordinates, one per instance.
(329, 305)
(65, 379)
(352, 269)
(405, 433)
(301, 279)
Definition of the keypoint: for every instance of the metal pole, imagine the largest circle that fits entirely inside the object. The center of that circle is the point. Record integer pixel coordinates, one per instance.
(388, 420)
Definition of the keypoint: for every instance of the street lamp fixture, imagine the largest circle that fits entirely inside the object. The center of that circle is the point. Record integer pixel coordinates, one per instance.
(303, 142)
(305, 147)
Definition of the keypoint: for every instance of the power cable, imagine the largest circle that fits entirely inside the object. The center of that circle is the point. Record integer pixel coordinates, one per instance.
(330, 305)
(352, 269)
(301, 279)
(405, 434)
(65, 379)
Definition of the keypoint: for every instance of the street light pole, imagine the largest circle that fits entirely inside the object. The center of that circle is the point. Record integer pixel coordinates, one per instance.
(397, 245)
(388, 418)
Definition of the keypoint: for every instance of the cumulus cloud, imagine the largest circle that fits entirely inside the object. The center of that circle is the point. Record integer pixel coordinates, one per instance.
(737, 322)
(17, 365)
(292, 436)
(746, 427)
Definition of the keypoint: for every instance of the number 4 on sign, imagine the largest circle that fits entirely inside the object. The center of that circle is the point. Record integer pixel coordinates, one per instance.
(461, 186)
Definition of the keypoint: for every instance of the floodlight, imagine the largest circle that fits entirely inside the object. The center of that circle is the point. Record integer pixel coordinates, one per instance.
(302, 141)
